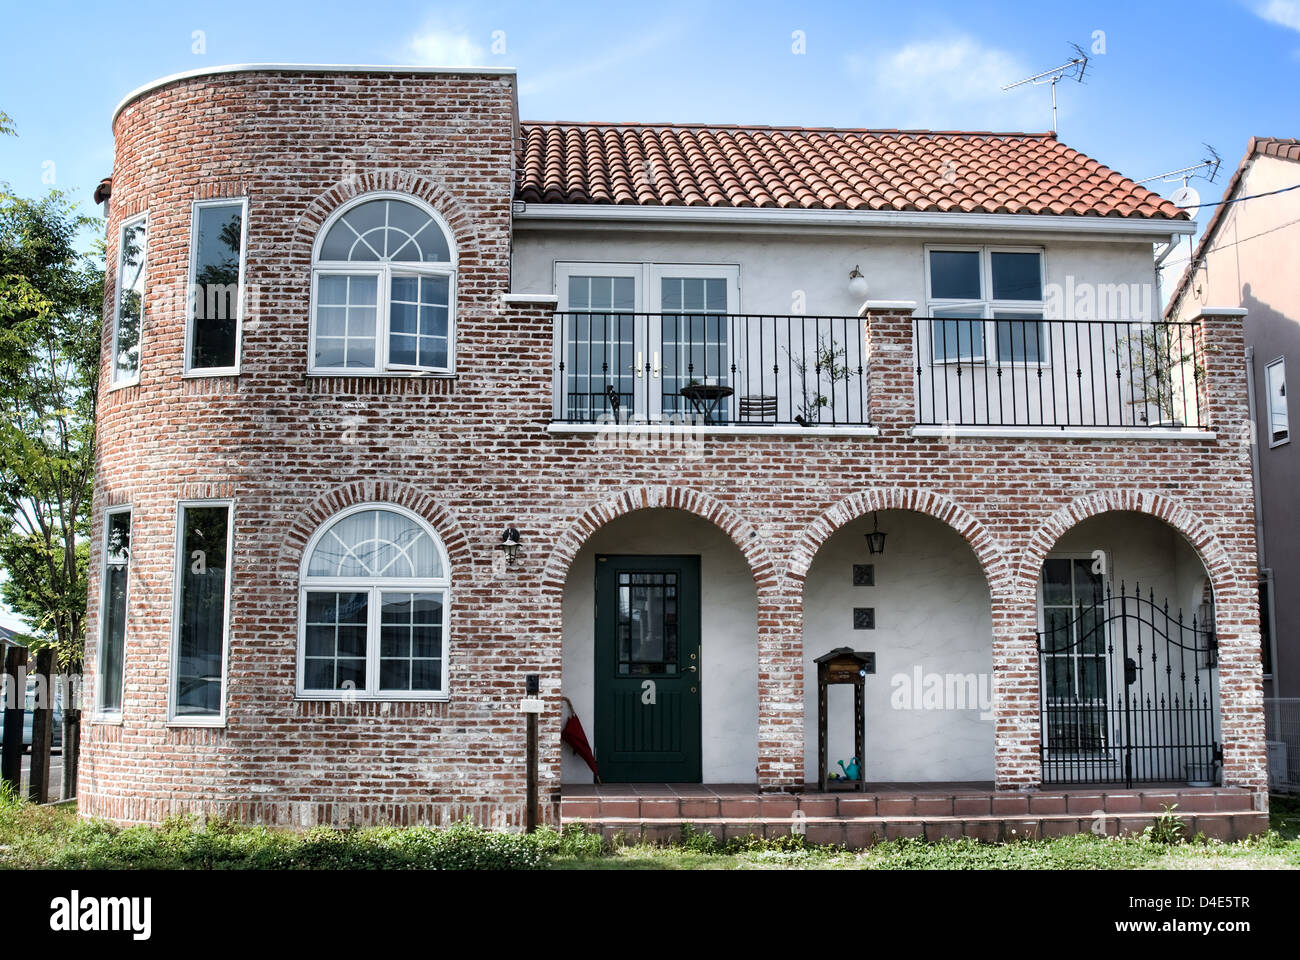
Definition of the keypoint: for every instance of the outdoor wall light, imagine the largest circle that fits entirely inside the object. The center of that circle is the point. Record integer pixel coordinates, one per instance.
(875, 539)
(509, 544)
(858, 284)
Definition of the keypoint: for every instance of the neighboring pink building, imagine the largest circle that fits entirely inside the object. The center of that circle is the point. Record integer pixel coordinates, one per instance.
(1250, 255)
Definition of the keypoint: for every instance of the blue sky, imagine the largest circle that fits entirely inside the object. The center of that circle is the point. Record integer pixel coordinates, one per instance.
(1172, 75)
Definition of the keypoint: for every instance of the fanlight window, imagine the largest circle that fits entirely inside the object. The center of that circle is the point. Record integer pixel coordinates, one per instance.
(373, 609)
(384, 291)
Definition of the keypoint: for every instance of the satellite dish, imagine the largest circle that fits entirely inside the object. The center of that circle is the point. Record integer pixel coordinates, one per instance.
(1185, 197)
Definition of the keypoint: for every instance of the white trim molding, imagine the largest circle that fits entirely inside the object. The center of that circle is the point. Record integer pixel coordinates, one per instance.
(1033, 432)
(678, 217)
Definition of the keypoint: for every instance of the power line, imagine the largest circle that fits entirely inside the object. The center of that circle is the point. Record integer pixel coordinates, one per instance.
(1254, 196)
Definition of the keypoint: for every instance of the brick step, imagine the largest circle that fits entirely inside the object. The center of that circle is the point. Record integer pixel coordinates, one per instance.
(892, 805)
(860, 832)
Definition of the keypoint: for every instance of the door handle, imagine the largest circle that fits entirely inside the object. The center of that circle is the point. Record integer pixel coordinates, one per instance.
(640, 369)
(656, 368)
(691, 668)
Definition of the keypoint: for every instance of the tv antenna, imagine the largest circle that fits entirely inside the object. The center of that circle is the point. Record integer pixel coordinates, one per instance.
(1072, 69)
(1186, 173)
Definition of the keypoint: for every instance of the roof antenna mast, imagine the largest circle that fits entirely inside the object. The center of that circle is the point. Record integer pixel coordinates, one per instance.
(1073, 69)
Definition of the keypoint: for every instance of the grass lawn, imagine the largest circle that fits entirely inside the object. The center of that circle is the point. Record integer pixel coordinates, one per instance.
(53, 837)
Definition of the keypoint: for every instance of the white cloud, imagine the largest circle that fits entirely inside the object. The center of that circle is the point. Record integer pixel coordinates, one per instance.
(949, 84)
(446, 48)
(616, 57)
(1285, 13)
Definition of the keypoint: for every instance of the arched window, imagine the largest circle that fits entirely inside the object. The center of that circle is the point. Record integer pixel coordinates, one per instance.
(384, 290)
(373, 608)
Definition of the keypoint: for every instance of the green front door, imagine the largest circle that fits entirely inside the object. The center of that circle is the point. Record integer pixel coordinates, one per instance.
(648, 668)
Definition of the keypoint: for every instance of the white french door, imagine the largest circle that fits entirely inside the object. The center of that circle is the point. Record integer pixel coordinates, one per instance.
(632, 335)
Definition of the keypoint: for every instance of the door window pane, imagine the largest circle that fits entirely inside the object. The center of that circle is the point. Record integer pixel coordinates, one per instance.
(201, 610)
(215, 295)
(696, 340)
(600, 352)
(647, 623)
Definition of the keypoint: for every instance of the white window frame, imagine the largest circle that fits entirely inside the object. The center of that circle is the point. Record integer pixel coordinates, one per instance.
(987, 305)
(189, 720)
(374, 586)
(189, 369)
(114, 383)
(384, 271)
(101, 714)
(1280, 362)
(1093, 756)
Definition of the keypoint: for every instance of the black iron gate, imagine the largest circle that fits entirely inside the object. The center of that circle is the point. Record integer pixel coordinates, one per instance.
(1128, 694)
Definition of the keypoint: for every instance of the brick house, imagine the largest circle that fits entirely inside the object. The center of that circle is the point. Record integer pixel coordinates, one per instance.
(364, 320)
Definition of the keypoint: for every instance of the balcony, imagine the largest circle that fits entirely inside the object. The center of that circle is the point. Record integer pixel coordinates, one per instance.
(1026, 372)
(710, 370)
(1006, 375)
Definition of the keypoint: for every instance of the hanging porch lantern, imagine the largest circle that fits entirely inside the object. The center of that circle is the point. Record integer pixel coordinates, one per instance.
(876, 538)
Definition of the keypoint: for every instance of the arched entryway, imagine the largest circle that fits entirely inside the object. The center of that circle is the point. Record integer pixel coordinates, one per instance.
(922, 607)
(660, 656)
(1127, 655)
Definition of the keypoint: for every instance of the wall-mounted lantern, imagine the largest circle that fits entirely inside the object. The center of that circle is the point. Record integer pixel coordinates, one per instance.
(509, 545)
(876, 538)
(858, 284)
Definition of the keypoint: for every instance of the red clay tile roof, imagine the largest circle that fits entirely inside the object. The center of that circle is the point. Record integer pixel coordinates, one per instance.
(795, 167)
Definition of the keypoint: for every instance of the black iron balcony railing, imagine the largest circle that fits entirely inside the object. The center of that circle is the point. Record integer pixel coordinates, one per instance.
(709, 369)
(1022, 372)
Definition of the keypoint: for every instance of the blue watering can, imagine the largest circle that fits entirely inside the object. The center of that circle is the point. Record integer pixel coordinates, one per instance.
(851, 771)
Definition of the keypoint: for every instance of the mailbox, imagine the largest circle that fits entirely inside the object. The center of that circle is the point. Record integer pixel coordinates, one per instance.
(843, 665)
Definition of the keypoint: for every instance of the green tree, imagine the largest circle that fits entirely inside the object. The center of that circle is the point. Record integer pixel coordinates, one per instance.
(51, 301)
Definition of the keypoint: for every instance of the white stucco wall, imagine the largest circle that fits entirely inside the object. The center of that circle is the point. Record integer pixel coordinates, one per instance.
(932, 614)
(728, 637)
(775, 269)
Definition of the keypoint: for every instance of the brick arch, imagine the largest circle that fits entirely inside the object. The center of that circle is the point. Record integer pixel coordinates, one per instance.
(741, 532)
(931, 504)
(463, 227)
(315, 515)
(1213, 555)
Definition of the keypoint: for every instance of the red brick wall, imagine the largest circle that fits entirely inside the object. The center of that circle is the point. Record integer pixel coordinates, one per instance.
(473, 453)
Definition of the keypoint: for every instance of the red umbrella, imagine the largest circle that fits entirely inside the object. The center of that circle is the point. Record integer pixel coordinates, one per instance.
(576, 737)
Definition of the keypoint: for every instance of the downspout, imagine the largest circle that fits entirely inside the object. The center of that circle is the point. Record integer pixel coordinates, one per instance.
(1169, 248)
(1261, 555)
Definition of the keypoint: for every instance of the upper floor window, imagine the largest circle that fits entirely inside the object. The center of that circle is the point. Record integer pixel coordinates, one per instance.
(970, 286)
(128, 311)
(373, 608)
(218, 238)
(384, 290)
(1279, 426)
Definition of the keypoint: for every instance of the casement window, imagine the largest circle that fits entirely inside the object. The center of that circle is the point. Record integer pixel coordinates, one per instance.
(1074, 657)
(979, 295)
(217, 244)
(1279, 424)
(373, 608)
(384, 290)
(201, 615)
(112, 619)
(128, 310)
